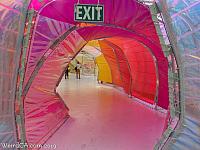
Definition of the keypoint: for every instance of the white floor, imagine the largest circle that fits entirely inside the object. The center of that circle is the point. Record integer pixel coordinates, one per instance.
(103, 118)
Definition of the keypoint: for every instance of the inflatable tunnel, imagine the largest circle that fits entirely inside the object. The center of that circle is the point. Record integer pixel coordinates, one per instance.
(130, 46)
(140, 52)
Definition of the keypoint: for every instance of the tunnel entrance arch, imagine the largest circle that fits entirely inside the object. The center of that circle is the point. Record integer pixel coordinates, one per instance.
(81, 33)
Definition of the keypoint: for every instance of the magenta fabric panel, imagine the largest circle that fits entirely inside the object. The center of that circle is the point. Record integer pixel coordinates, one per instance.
(46, 31)
(114, 12)
(138, 17)
(38, 4)
(44, 110)
(163, 96)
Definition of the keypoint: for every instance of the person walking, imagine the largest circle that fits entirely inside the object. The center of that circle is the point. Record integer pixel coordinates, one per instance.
(78, 70)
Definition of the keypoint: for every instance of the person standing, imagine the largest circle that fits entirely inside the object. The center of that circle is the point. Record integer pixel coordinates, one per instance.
(78, 70)
(67, 72)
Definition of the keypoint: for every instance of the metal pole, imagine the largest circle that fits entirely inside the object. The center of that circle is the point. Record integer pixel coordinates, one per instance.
(20, 117)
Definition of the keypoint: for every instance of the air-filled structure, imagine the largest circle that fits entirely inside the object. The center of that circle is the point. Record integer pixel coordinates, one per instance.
(149, 49)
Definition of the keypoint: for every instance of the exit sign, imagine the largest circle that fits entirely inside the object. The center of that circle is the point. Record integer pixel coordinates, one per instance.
(89, 13)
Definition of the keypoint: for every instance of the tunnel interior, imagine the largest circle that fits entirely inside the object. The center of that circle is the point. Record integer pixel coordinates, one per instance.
(130, 46)
(38, 38)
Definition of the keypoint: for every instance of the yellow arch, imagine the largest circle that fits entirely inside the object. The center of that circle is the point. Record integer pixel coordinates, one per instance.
(104, 73)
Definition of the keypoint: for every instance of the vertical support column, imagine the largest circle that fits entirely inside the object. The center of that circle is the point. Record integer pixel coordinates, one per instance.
(21, 74)
(168, 51)
(173, 76)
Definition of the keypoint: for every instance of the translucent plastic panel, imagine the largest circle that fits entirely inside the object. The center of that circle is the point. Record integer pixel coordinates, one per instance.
(177, 6)
(180, 27)
(194, 14)
(10, 43)
(189, 43)
(188, 50)
(191, 1)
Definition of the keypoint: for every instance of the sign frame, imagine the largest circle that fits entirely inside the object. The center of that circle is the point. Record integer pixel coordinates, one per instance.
(89, 21)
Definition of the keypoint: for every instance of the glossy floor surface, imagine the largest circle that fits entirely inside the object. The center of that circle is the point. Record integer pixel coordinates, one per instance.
(104, 118)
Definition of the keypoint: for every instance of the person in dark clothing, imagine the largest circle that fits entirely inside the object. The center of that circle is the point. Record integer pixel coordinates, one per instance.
(78, 70)
(67, 72)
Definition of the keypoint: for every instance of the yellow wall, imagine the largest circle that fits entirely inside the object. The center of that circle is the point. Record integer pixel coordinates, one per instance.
(104, 73)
